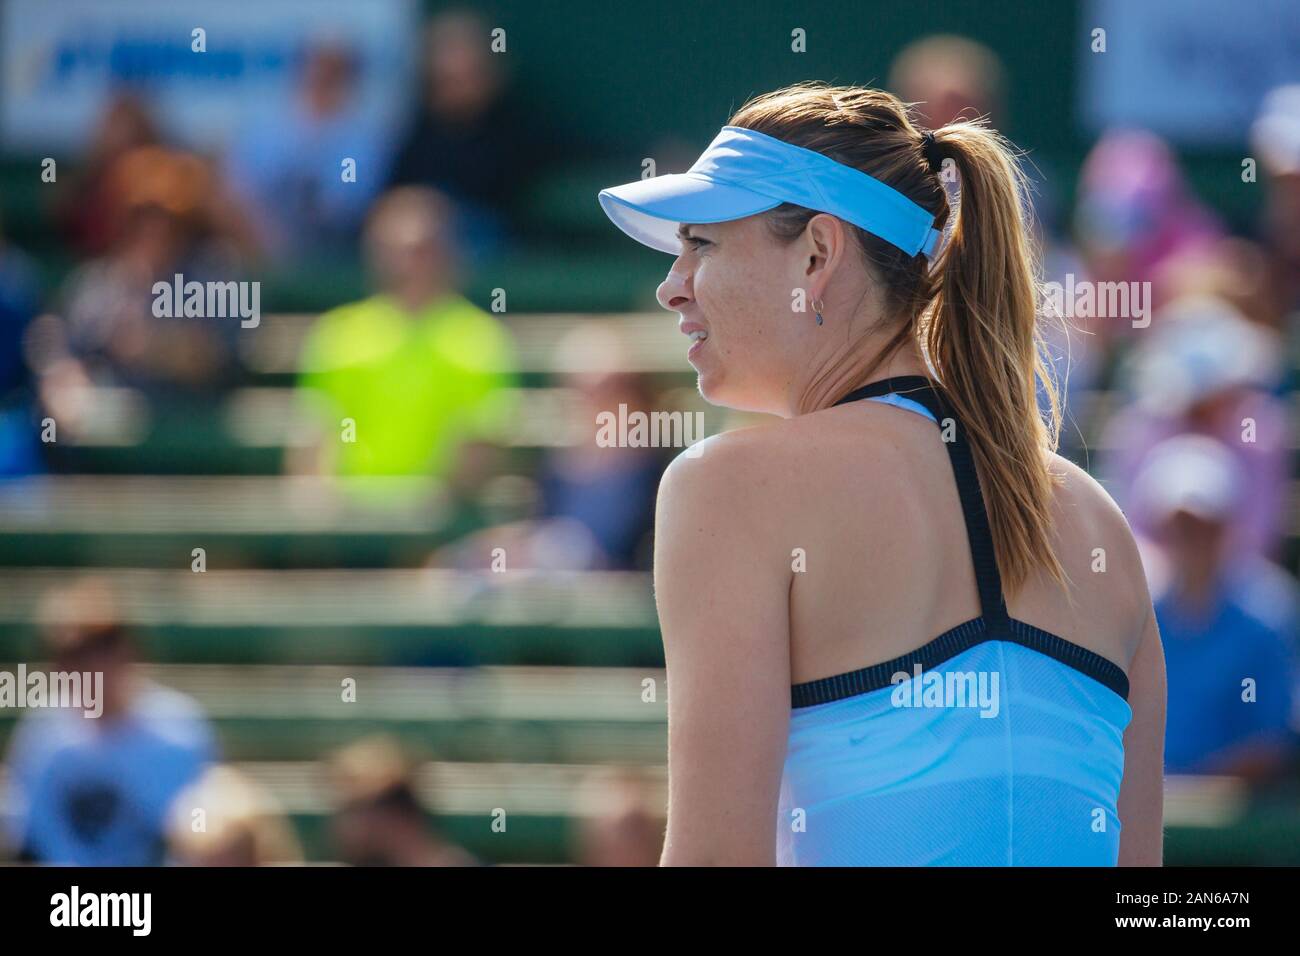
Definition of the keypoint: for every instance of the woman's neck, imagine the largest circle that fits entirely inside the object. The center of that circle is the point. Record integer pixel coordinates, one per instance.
(842, 375)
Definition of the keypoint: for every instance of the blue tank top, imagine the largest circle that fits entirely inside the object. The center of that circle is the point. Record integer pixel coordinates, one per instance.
(995, 744)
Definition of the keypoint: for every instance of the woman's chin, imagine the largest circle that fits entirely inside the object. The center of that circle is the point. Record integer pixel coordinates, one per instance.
(711, 389)
(714, 390)
(721, 394)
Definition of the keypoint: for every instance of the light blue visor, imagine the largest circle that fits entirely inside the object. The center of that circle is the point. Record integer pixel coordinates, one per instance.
(744, 172)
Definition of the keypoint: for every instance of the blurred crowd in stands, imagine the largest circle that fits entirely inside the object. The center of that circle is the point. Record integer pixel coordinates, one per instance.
(1190, 418)
(143, 784)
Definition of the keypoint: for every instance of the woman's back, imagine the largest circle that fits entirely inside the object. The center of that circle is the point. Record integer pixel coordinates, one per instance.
(926, 729)
(874, 504)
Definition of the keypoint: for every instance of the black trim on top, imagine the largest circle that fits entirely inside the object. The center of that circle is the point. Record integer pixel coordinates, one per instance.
(947, 646)
(994, 623)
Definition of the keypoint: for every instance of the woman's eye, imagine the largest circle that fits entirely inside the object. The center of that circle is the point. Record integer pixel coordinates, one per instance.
(696, 243)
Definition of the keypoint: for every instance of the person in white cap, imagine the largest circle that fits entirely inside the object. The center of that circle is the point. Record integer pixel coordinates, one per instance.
(1228, 624)
(1204, 369)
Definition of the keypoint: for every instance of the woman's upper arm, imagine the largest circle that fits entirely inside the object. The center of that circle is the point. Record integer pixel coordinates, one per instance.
(1141, 795)
(722, 589)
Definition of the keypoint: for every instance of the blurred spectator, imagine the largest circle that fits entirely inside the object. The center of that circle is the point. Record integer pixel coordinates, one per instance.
(89, 209)
(1136, 213)
(1223, 621)
(1203, 369)
(419, 372)
(96, 790)
(595, 505)
(1276, 140)
(473, 138)
(20, 297)
(380, 820)
(289, 168)
(106, 331)
(1233, 269)
(621, 819)
(226, 819)
(608, 492)
(949, 78)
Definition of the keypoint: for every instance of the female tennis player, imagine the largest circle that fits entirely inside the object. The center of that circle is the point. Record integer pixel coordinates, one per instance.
(899, 629)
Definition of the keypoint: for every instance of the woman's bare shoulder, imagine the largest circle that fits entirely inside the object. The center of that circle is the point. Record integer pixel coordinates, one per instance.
(1082, 503)
(1095, 544)
(748, 474)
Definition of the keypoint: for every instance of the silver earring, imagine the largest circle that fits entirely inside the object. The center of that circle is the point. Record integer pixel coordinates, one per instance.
(817, 308)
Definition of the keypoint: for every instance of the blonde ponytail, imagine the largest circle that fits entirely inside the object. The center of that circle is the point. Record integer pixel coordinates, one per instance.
(981, 334)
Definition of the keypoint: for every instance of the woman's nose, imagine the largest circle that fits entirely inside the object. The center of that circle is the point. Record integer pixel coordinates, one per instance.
(673, 293)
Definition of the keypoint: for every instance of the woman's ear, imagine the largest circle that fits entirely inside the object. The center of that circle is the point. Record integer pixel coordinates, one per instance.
(824, 245)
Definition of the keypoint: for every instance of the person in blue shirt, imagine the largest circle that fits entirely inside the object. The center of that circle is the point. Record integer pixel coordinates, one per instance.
(96, 790)
(288, 167)
(1229, 627)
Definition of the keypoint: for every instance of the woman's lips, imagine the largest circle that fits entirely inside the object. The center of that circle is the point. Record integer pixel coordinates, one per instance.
(698, 334)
